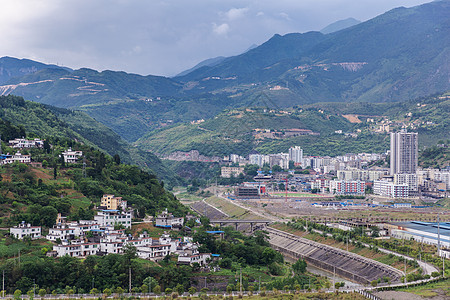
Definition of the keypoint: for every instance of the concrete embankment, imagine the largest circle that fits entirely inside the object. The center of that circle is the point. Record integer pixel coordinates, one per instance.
(348, 265)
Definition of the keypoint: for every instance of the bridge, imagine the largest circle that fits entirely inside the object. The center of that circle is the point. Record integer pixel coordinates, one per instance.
(237, 222)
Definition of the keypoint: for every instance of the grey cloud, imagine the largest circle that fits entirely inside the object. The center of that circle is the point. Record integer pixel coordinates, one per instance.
(161, 37)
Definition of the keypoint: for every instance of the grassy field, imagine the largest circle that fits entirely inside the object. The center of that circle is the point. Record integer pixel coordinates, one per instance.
(185, 197)
(151, 230)
(434, 289)
(234, 211)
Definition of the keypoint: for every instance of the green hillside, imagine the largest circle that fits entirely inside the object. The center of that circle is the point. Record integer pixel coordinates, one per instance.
(233, 131)
(47, 121)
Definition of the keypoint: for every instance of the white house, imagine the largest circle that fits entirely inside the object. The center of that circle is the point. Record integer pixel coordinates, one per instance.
(167, 220)
(18, 157)
(24, 143)
(111, 217)
(62, 232)
(200, 258)
(77, 249)
(23, 230)
(71, 156)
(153, 252)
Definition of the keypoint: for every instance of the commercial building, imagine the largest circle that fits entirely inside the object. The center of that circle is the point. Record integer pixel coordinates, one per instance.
(423, 232)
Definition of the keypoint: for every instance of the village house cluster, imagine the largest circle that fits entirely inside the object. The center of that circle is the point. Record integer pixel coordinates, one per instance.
(69, 155)
(106, 234)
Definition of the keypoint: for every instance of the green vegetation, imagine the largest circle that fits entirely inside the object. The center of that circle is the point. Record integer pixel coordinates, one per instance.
(20, 118)
(440, 288)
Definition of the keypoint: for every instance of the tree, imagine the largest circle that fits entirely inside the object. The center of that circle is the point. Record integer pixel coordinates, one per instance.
(107, 292)
(168, 291)
(30, 294)
(17, 294)
(375, 231)
(192, 290)
(277, 168)
(144, 288)
(116, 158)
(130, 252)
(299, 267)
(93, 291)
(42, 293)
(120, 290)
(374, 283)
(157, 289)
(180, 289)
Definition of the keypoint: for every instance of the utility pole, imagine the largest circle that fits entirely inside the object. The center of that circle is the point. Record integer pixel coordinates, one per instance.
(84, 167)
(240, 282)
(34, 288)
(92, 282)
(129, 280)
(334, 275)
(439, 236)
(3, 288)
(259, 289)
(405, 270)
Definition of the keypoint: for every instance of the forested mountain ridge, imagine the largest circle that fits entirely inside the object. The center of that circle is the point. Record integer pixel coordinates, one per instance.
(320, 129)
(11, 67)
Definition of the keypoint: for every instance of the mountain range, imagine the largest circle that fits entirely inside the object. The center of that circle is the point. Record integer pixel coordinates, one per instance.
(402, 54)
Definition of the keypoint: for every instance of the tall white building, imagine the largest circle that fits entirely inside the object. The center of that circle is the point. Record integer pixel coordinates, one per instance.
(404, 152)
(296, 154)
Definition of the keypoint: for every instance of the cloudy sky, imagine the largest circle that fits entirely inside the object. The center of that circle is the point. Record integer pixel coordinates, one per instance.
(161, 37)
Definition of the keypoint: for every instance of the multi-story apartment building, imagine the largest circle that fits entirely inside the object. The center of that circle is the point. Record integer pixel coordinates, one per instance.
(404, 152)
(389, 189)
(296, 154)
(343, 187)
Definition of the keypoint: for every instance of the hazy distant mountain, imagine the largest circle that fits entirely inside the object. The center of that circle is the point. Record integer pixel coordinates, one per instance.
(74, 89)
(210, 62)
(12, 67)
(402, 54)
(339, 25)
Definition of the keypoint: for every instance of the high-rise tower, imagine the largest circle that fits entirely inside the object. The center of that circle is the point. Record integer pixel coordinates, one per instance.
(404, 152)
(296, 154)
